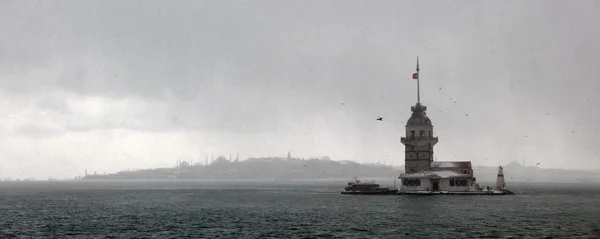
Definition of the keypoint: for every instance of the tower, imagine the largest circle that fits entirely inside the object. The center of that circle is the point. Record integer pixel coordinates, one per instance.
(419, 141)
(500, 184)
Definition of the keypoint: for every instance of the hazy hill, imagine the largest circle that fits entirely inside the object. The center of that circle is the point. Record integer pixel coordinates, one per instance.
(516, 172)
(284, 169)
(272, 168)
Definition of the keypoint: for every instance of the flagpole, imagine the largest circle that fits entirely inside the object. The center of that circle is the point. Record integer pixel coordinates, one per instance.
(418, 89)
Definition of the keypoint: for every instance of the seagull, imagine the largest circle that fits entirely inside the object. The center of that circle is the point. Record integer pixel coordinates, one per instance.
(380, 118)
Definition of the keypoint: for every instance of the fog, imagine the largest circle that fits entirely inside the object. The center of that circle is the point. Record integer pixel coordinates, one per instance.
(114, 85)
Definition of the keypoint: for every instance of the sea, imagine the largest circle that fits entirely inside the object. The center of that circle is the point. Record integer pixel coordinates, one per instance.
(212, 209)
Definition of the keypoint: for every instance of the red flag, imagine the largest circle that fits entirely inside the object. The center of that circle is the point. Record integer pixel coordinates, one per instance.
(415, 76)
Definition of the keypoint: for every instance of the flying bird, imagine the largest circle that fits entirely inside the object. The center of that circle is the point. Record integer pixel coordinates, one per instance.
(380, 118)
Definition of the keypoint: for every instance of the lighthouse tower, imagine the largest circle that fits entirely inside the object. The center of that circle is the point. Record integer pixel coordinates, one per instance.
(419, 140)
(500, 184)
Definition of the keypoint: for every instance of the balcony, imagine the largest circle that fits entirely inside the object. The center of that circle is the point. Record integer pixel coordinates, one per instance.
(414, 140)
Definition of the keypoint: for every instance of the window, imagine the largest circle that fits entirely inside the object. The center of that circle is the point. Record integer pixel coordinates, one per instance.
(412, 133)
(411, 182)
(430, 134)
(458, 182)
(422, 133)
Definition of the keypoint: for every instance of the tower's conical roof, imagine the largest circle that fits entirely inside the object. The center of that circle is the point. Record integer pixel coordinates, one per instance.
(419, 116)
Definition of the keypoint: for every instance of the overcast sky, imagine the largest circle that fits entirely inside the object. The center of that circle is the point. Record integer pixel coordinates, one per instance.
(112, 85)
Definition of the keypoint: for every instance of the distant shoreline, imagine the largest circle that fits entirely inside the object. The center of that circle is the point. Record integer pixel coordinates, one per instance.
(274, 170)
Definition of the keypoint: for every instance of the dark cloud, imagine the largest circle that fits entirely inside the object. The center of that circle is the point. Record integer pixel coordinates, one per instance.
(53, 103)
(280, 67)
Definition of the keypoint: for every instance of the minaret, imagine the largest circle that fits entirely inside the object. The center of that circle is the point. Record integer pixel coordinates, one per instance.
(419, 140)
(500, 184)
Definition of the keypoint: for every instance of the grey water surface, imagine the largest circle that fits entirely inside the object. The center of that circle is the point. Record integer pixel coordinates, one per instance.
(201, 209)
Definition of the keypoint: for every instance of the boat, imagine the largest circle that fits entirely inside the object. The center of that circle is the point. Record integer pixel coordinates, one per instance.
(357, 186)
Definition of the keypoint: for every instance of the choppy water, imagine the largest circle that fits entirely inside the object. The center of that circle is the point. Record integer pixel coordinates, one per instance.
(254, 210)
